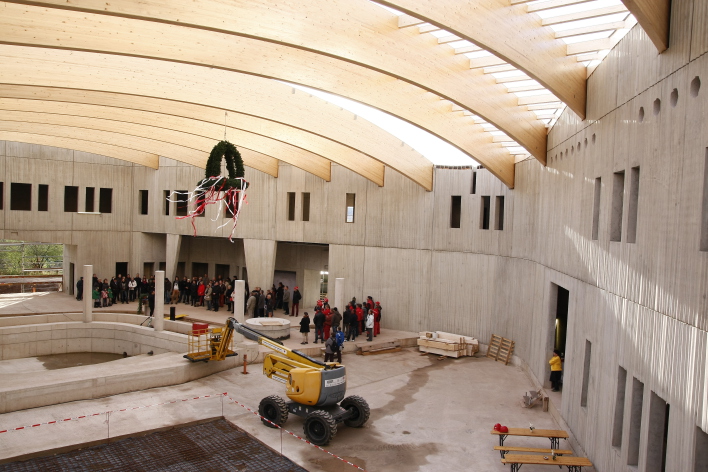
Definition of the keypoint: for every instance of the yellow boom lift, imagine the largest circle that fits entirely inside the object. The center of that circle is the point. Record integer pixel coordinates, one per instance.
(315, 389)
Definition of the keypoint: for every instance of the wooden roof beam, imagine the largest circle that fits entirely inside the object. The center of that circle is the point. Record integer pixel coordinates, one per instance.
(109, 150)
(264, 58)
(535, 50)
(654, 16)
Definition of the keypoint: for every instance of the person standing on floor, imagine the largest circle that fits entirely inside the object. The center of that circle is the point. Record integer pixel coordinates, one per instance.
(332, 348)
(377, 319)
(80, 289)
(370, 325)
(305, 327)
(328, 321)
(286, 300)
(296, 302)
(319, 320)
(353, 323)
(207, 296)
(556, 370)
(251, 305)
(336, 320)
(278, 294)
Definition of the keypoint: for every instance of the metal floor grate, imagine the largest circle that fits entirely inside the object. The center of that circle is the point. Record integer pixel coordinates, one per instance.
(209, 447)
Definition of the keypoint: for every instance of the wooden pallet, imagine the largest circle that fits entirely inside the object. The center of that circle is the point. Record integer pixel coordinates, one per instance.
(500, 349)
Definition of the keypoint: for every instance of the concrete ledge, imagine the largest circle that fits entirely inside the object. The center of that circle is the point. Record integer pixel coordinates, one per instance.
(142, 372)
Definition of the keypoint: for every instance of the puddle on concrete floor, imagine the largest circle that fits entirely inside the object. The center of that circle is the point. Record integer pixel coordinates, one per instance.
(56, 361)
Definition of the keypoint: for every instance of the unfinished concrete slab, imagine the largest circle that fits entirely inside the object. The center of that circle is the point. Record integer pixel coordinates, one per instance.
(426, 414)
(204, 447)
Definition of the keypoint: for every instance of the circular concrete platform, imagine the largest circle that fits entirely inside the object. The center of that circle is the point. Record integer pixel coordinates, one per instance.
(272, 327)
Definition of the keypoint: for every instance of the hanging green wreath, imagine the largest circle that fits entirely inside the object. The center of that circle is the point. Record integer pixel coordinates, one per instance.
(234, 166)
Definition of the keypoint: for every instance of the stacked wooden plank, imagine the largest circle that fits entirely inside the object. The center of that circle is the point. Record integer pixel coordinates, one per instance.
(500, 349)
(379, 348)
(447, 344)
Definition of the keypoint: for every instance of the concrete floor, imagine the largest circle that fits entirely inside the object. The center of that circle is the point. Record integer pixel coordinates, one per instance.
(426, 414)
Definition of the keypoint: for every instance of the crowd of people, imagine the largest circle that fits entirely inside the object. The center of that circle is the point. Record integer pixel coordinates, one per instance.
(331, 327)
(197, 291)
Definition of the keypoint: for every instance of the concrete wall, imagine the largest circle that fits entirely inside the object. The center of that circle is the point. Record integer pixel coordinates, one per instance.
(641, 305)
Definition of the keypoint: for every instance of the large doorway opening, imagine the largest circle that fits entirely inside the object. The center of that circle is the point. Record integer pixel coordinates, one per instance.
(558, 325)
(200, 269)
(561, 322)
(71, 278)
(222, 271)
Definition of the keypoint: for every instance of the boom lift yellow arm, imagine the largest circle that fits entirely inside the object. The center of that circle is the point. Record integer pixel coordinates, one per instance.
(315, 389)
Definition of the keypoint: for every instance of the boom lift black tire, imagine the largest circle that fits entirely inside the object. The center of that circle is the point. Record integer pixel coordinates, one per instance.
(273, 408)
(320, 427)
(360, 408)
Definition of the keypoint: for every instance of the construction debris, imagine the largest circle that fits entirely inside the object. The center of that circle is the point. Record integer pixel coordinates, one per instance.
(447, 344)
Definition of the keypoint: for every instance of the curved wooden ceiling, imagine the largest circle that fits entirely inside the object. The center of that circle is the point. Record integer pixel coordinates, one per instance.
(171, 70)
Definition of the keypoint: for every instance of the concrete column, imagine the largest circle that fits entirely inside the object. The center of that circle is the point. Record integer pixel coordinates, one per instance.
(239, 294)
(260, 261)
(158, 321)
(339, 294)
(88, 291)
(172, 247)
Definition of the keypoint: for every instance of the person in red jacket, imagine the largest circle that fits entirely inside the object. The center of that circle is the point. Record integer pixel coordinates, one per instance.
(377, 319)
(200, 293)
(360, 318)
(328, 321)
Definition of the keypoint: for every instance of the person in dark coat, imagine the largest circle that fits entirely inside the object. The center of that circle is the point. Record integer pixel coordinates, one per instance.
(151, 302)
(305, 327)
(319, 320)
(80, 289)
(297, 296)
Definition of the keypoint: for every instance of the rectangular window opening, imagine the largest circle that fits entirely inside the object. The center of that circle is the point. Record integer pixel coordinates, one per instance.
(143, 202)
(499, 213)
(704, 214)
(90, 203)
(167, 202)
(635, 422)
(291, 206)
(182, 202)
(657, 437)
(700, 456)
(306, 206)
(618, 423)
(596, 209)
(617, 206)
(2, 195)
(633, 205)
(484, 213)
(43, 198)
(455, 211)
(474, 183)
(105, 200)
(586, 374)
(20, 196)
(71, 199)
(351, 204)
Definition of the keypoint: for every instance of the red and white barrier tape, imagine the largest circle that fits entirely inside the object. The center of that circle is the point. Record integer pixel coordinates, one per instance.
(295, 435)
(74, 418)
(225, 394)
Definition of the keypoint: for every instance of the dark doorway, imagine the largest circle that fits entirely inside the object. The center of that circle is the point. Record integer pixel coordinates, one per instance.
(223, 271)
(148, 269)
(122, 268)
(199, 269)
(561, 319)
(71, 278)
(180, 270)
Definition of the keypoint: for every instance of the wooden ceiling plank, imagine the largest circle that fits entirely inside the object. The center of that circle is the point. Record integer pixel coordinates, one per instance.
(550, 4)
(611, 26)
(584, 15)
